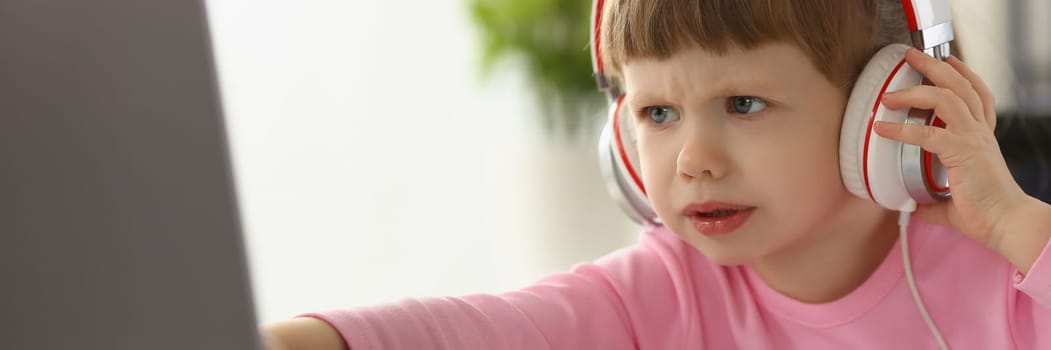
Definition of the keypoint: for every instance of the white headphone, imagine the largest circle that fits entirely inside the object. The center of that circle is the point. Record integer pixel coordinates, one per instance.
(894, 175)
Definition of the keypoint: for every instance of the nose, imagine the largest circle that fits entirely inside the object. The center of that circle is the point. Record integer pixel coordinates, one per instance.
(703, 155)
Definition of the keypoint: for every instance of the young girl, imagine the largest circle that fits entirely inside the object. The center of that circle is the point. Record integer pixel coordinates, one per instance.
(738, 108)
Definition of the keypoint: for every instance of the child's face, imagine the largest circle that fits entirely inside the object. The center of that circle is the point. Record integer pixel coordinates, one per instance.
(777, 153)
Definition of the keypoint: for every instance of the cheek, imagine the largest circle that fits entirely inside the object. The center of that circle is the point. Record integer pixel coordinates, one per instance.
(654, 152)
(657, 157)
(805, 169)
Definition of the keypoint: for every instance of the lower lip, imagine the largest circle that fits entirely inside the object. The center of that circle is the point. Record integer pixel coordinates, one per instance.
(720, 225)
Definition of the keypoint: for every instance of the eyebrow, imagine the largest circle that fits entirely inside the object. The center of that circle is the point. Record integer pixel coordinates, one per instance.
(639, 98)
(727, 87)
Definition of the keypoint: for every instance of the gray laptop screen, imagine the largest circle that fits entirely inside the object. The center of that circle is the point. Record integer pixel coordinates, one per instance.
(118, 218)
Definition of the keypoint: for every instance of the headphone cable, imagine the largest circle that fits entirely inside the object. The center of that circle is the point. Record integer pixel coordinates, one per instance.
(903, 224)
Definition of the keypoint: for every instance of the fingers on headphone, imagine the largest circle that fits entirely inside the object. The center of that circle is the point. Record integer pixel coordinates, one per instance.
(948, 76)
(933, 139)
(988, 100)
(947, 105)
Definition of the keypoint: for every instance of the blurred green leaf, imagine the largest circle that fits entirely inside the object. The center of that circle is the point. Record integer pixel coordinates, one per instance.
(551, 36)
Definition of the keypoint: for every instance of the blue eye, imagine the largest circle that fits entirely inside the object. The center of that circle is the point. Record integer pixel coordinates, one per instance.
(745, 104)
(660, 115)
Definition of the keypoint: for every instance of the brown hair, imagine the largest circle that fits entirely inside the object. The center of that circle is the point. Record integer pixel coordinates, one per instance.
(839, 36)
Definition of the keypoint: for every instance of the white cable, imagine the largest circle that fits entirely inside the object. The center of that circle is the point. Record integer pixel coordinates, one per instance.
(903, 224)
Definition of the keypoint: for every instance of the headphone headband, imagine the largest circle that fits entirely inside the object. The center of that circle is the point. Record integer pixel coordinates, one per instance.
(930, 26)
(597, 65)
(924, 14)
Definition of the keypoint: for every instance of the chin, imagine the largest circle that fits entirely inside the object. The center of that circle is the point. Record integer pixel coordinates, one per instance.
(722, 255)
(726, 258)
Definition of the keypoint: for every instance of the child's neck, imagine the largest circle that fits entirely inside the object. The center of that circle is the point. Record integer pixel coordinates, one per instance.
(830, 264)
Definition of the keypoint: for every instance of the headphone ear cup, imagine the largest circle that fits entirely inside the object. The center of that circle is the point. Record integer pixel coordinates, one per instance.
(619, 160)
(870, 165)
(629, 140)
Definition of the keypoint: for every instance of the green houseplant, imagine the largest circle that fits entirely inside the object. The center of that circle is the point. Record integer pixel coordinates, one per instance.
(551, 38)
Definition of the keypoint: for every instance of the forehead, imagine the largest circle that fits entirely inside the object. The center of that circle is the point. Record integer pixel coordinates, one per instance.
(774, 66)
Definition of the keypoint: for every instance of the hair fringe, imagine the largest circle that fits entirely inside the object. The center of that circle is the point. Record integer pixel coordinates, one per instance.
(839, 36)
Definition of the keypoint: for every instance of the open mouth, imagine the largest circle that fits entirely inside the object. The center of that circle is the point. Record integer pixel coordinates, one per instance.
(718, 213)
(719, 220)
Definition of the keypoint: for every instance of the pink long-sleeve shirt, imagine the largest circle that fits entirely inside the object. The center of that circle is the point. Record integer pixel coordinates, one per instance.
(661, 293)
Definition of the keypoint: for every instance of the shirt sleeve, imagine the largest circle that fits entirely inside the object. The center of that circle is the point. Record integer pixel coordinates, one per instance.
(580, 309)
(1037, 284)
(1031, 315)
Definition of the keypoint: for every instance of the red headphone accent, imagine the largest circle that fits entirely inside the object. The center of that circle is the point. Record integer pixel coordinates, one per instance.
(597, 40)
(910, 15)
(620, 146)
(872, 119)
(927, 162)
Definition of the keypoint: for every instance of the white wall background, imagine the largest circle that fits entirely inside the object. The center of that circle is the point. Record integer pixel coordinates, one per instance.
(373, 163)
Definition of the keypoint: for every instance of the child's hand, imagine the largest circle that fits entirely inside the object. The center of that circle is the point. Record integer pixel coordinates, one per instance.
(300, 334)
(983, 191)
